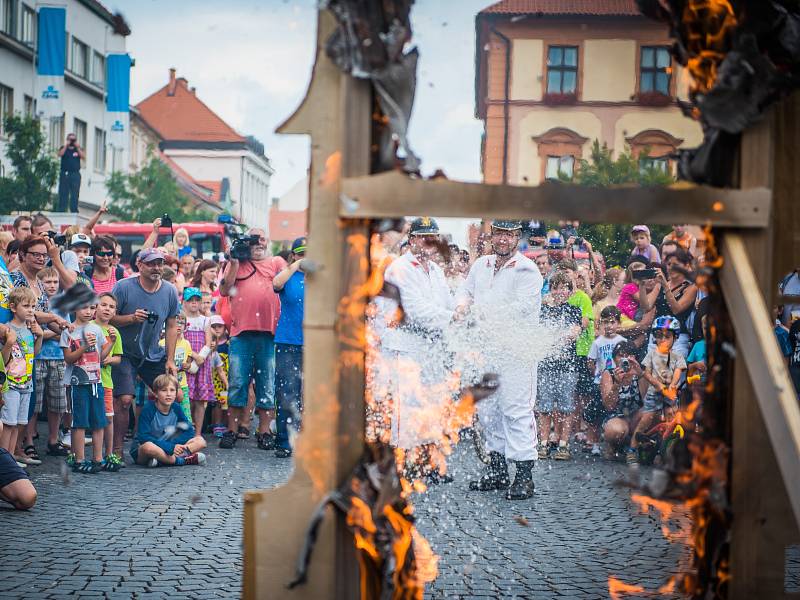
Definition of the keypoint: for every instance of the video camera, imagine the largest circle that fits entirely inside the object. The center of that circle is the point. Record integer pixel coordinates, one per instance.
(242, 246)
(59, 239)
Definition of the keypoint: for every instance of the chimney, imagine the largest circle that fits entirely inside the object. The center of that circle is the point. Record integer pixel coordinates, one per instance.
(171, 87)
(193, 90)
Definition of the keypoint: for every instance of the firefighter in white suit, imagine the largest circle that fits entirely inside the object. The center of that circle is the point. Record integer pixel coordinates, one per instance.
(421, 383)
(509, 283)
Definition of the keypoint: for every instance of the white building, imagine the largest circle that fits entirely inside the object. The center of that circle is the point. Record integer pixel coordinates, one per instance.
(203, 145)
(90, 37)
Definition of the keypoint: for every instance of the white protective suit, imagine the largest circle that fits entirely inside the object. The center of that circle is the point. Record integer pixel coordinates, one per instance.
(513, 293)
(420, 381)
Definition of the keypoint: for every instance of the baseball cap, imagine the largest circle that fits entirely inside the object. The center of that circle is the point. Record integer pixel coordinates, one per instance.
(643, 228)
(80, 238)
(506, 225)
(192, 292)
(299, 246)
(216, 320)
(150, 254)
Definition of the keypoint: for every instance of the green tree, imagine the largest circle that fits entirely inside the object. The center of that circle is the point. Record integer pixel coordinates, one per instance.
(149, 193)
(34, 169)
(602, 170)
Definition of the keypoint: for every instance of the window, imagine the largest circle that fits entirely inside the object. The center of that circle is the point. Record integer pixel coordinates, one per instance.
(98, 69)
(6, 105)
(79, 129)
(655, 70)
(562, 69)
(79, 58)
(659, 164)
(28, 31)
(30, 106)
(556, 164)
(8, 17)
(99, 150)
(56, 133)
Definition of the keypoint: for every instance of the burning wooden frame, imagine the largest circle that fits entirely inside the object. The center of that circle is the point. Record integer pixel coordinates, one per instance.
(757, 408)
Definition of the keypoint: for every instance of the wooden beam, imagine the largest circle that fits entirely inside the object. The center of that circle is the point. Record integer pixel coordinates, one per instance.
(774, 389)
(395, 194)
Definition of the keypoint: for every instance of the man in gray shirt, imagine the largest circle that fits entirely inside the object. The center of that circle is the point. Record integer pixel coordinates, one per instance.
(145, 305)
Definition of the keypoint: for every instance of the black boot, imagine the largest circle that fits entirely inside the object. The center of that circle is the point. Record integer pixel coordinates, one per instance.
(496, 476)
(522, 487)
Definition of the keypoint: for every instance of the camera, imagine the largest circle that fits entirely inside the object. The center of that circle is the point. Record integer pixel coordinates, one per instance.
(166, 220)
(242, 246)
(644, 274)
(88, 260)
(59, 239)
(152, 317)
(625, 364)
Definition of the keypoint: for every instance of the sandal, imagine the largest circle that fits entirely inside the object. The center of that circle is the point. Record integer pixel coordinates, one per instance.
(243, 433)
(30, 452)
(87, 467)
(57, 449)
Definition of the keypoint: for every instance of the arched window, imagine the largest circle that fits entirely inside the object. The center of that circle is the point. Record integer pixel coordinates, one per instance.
(659, 145)
(559, 149)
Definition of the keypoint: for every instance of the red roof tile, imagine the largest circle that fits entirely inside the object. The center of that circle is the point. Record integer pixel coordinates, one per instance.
(214, 187)
(287, 225)
(176, 113)
(564, 7)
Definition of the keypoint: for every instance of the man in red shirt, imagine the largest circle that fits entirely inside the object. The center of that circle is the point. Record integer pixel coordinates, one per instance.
(255, 309)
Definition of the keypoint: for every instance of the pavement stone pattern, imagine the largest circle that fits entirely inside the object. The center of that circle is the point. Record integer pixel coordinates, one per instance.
(578, 529)
(176, 532)
(168, 532)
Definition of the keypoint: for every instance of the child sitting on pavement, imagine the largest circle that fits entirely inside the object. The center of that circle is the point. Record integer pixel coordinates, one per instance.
(85, 349)
(106, 309)
(663, 369)
(164, 434)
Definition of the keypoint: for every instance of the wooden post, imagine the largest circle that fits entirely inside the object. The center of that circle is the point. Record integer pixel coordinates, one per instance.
(336, 112)
(763, 520)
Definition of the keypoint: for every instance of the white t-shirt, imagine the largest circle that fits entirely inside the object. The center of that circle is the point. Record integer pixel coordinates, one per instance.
(601, 352)
(198, 323)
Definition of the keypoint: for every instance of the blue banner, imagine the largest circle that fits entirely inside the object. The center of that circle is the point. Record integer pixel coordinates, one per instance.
(118, 90)
(52, 36)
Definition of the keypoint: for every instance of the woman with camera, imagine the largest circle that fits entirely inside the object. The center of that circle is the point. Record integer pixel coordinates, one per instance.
(621, 391)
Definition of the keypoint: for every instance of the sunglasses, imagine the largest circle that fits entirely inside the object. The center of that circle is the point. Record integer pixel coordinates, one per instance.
(104, 254)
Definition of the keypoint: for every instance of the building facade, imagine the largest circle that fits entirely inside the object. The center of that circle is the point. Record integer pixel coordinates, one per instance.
(552, 76)
(91, 35)
(209, 150)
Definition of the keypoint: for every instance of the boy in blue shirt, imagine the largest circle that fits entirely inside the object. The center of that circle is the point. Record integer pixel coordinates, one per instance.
(164, 435)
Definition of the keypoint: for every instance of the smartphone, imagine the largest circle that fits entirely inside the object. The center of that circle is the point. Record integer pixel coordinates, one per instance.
(644, 274)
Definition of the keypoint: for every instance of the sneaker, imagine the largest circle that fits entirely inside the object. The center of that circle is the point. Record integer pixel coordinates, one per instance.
(632, 457)
(152, 463)
(228, 440)
(66, 439)
(219, 430)
(265, 441)
(21, 465)
(562, 453)
(87, 467)
(198, 458)
(57, 449)
(596, 450)
(27, 460)
(283, 453)
(112, 463)
(544, 452)
(70, 460)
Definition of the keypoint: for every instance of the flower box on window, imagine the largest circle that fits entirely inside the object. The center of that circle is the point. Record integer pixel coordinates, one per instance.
(560, 99)
(654, 99)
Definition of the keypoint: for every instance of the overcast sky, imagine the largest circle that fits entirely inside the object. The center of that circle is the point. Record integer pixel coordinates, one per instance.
(250, 61)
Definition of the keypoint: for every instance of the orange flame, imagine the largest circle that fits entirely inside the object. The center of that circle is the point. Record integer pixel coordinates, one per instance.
(709, 24)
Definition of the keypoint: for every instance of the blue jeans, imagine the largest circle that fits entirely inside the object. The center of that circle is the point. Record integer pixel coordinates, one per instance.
(288, 390)
(251, 357)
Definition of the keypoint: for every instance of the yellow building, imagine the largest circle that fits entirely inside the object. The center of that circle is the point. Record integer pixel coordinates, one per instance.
(554, 75)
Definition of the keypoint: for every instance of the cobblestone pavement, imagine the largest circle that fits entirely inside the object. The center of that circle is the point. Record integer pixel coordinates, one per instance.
(167, 532)
(176, 532)
(578, 529)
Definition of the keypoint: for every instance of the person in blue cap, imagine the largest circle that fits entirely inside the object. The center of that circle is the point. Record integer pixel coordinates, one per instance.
(510, 282)
(419, 377)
